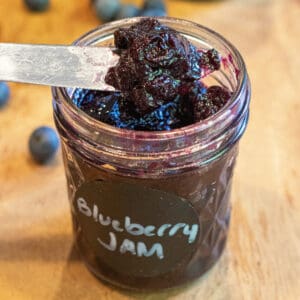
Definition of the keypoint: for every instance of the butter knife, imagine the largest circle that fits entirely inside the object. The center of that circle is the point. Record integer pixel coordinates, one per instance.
(57, 65)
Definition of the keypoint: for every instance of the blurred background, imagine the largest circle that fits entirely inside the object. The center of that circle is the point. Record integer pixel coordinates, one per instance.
(262, 259)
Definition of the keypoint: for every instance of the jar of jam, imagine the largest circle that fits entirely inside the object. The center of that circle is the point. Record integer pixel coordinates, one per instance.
(151, 209)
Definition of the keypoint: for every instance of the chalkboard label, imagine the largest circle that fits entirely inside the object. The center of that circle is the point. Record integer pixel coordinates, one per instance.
(136, 230)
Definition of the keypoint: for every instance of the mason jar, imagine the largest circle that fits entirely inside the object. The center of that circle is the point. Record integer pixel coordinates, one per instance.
(151, 210)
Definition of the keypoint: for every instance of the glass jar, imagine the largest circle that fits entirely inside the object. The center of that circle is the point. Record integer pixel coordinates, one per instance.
(151, 210)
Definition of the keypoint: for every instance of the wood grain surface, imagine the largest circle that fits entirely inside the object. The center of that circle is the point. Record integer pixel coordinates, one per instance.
(262, 258)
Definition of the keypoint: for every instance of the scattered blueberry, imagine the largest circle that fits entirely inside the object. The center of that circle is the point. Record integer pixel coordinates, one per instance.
(43, 144)
(155, 12)
(37, 5)
(4, 93)
(127, 11)
(154, 4)
(107, 10)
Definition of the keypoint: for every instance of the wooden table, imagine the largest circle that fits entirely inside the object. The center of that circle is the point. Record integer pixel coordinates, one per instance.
(262, 259)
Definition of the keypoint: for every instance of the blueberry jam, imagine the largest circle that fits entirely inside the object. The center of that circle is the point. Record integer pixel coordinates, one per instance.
(158, 76)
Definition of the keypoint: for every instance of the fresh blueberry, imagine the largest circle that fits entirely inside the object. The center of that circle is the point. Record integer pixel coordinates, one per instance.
(43, 144)
(107, 10)
(37, 5)
(154, 4)
(155, 12)
(4, 94)
(127, 11)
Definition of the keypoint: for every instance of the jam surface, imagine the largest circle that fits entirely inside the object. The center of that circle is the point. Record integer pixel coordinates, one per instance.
(159, 78)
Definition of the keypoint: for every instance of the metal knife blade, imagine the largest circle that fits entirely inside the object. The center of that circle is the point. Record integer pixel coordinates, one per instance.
(57, 65)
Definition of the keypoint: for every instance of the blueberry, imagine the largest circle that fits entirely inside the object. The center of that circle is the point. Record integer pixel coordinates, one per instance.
(37, 5)
(107, 10)
(164, 117)
(155, 12)
(43, 144)
(210, 102)
(154, 4)
(210, 60)
(4, 94)
(95, 103)
(127, 11)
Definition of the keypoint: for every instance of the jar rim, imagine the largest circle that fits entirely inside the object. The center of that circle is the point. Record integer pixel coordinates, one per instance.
(166, 134)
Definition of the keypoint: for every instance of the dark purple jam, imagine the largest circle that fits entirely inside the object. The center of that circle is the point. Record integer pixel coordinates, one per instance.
(159, 78)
